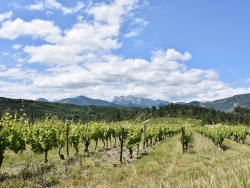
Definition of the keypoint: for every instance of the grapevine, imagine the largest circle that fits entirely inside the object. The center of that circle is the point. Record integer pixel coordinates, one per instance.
(11, 134)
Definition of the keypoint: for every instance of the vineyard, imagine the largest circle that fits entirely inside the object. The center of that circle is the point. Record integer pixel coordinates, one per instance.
(158, 152)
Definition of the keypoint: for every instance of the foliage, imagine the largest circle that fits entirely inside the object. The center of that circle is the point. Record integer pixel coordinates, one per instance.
(11, 134)
(37, 110)
(207, 116)
(186, 137)
(43, 136)
(215, 133)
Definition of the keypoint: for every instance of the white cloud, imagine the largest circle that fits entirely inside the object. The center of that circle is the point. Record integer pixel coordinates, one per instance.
(173, 55)
(2, 67)
(36, 28)
(53, 4)
(137, 27)
(5, 16)
(48, 13)
(38, 6)
(21, 60)
(19, 65)
(138, 43)
(16, 46)
(5, 53)
(101, 34)
(18, 74)
(113, 13)
(15, 5)
(140, 21)
(159, 78)
(80, 18)
(106, 76)
(77, 8)
(247, 80)
(135, 32)
(16, 90)
(212, 75)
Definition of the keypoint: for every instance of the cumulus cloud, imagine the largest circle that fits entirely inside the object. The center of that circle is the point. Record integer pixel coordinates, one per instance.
(5, 16)
(16, 46)
(2, 67)
(135, 32)
(53, 4)
(106, 76)
(138, 25)
(113, 13)
(36, 28)
(38, 6)
(247, 80)
(99, 35)
(81, 60)
(18, 74)
(16, 90)
(159, 78)
(173, 55)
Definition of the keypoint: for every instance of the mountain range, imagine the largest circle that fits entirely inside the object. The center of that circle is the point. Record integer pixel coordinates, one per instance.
(226, 104)
(137, 101)
(85, 101)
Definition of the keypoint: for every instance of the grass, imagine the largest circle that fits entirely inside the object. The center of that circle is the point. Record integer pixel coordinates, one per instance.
(173, 121)
(204, 165)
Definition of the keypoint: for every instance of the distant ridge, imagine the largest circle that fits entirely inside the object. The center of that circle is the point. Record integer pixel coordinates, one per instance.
(42, 100)
(85, 101)
(137, 101)
(226, 104)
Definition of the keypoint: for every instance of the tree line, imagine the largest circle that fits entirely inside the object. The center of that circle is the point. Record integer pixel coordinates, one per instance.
(239, 115)
(36, 110)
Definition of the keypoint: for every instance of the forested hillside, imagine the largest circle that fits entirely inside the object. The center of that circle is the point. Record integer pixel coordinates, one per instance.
(37, 110)
(228, 104)
(207, 115)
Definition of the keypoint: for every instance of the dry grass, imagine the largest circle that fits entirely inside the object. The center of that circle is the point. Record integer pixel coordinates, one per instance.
(167, 167)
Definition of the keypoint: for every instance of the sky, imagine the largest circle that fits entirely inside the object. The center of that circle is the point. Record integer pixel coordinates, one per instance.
(173, 50)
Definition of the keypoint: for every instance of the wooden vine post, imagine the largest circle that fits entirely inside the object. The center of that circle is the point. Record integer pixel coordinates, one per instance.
(122, 145)
(182, 138)
(144, 138)
(67, 139)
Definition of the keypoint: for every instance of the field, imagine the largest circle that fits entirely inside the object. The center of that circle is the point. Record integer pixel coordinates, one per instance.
(203, 165)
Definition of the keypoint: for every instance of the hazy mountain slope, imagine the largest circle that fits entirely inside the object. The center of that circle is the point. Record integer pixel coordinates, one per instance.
(42, 100)
(85, 101)
(137, 101)
(228, 104)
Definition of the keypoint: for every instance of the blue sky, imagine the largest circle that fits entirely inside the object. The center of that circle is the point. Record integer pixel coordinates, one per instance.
(173, 50)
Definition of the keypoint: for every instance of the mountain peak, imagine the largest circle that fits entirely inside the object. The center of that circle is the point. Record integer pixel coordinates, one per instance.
(42, 100)
(85, 101)
(227, 104)
(137, 101)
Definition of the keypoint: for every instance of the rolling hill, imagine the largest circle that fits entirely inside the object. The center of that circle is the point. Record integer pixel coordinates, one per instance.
(227, 104)
(138, 102)
(85, 101)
